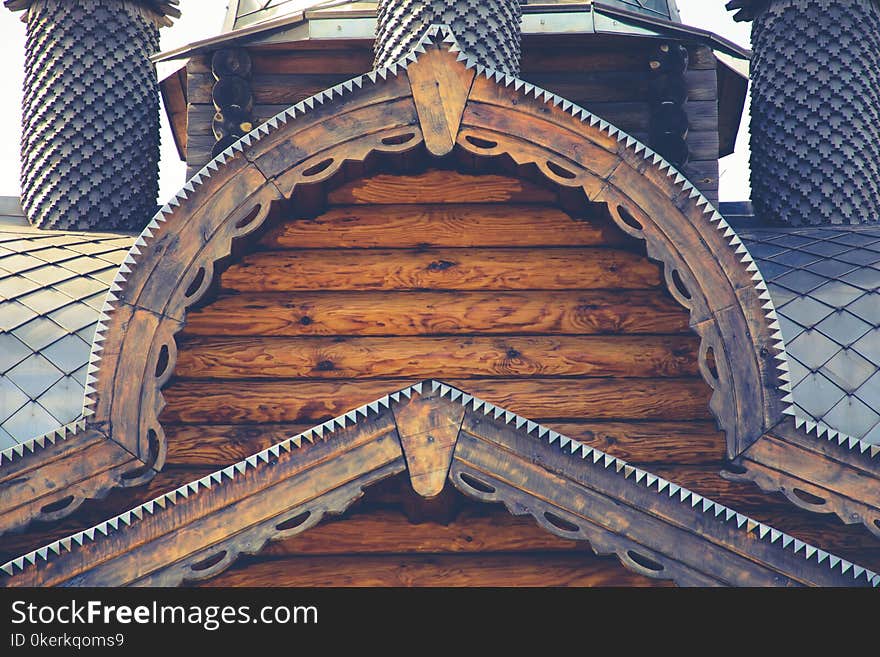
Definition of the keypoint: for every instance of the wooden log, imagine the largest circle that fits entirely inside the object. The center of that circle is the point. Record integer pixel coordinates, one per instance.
(231, 61)
(536, 61)
(439, 186)
(617, 86)
(232, 90)
(447, 225)
(351, 61)
(231, 121)
(441, 269)
(645, 443)
(428, 358)
(580, 569)
(478, 528)
(253, 402)
(431, 313)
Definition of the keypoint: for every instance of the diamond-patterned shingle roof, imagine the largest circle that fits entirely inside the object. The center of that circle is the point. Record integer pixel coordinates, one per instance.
(825, 283)
(52, 288)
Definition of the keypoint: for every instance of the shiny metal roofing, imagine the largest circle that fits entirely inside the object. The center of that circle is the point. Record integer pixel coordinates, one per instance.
(244, 13)
(825, 284)
(52, 288)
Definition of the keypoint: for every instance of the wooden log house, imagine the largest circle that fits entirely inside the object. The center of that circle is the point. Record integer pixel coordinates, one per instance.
(441, 324)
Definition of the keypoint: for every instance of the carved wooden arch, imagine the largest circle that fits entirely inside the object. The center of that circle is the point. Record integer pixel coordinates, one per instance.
(441, 103)
(438, 435)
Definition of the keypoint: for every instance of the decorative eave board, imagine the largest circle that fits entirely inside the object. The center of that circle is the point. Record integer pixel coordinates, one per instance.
(438, 434)
(440, 98)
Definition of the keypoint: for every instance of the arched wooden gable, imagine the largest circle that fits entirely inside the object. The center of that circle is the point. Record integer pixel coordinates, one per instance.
(177, 257)
(443, 104)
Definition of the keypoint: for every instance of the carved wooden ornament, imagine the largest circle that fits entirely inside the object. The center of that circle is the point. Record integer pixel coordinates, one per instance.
(438, 98)
(655, 528)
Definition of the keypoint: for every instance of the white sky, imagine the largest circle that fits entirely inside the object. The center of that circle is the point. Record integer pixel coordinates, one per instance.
(204, 18)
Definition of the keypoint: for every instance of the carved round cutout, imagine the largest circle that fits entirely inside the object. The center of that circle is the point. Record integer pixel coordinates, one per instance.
(645, 562)
(196, 283)
(561, 523)
(476, 484)
(808, 498)
(210, 562)
(162, 361)
(58, 505)
(293, 523)
(318, 168)
(154, 447)
(679, 285)
(481, 143)
(711, 364)
(248, 218)
(398, 140)
(561, 171)
(627, 218)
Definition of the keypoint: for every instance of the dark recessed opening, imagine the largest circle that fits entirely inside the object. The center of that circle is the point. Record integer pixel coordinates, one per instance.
(241, 223)
(318, 168)
(481, 143)
(711, 365)
(57, 506)
(196, 283)
(644, 561)
(628, 219)
(561, 523)
(294, 522)
(162, 363)
(210, 561)
(476, 484)
(679, 284)
(809, 498)
(560, 171)
(397, 140)
(153, 446)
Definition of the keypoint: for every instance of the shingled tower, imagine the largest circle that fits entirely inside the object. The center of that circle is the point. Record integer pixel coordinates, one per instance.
(90, 142)
(488, 31)
(815, 113)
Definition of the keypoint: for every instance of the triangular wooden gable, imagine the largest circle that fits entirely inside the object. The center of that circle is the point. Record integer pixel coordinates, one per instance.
(440, 436)
(119, 441)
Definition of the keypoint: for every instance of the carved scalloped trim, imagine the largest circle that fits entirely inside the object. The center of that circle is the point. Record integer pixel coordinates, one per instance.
(588, 455)
(436, 35)
(769, 480)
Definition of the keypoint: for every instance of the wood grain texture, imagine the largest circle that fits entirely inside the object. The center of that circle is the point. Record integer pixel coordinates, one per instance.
(440, 90)
(440, 313)
(645, 442)
(429, 358)
(441, 269)
(229, 402)
(436, 570)
(439, 186)
(443, 225)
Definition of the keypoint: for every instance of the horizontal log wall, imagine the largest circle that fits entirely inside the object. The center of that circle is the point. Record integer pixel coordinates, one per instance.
(610, 81)
(269, 356)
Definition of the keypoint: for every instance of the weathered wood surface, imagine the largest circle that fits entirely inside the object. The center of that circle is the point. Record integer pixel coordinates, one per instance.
(495, 462)
(448, 224)
(440, 93)
(427, 358)
(441, 269)
(649, 442)
(439, 186)
(427, 432)
(432, 313)
(813, 476)
(229, 402)
(580, 569)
